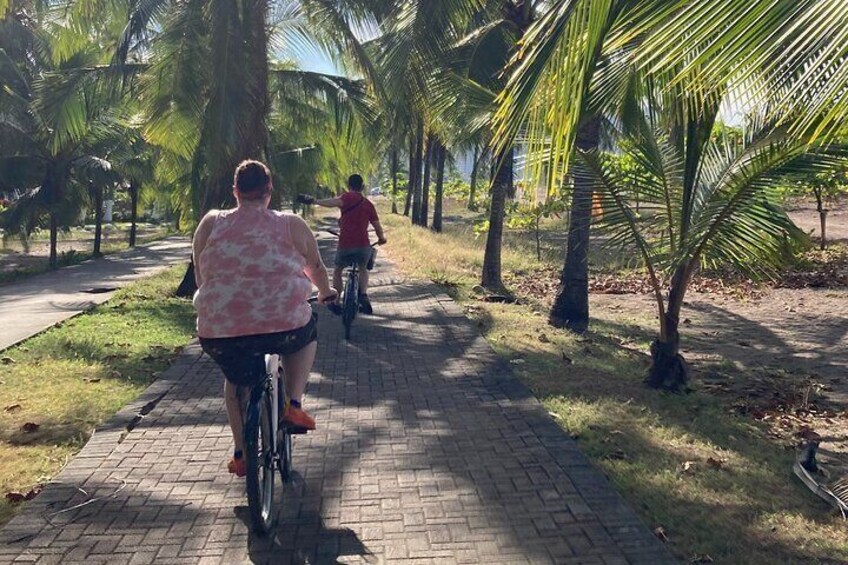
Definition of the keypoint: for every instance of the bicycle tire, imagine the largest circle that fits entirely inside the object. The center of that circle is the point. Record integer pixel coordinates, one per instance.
(286, 458)
(258, 439)
(351, 304)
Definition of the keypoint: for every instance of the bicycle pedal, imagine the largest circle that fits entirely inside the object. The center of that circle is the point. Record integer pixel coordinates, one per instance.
(292, 429)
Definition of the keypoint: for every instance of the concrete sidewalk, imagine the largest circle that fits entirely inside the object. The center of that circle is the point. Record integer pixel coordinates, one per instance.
(428, 450)
(36, 303)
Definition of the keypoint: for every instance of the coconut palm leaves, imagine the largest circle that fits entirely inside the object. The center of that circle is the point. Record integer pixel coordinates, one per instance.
(790, 52)
(210, 66)
(53, 111)
(709, 202)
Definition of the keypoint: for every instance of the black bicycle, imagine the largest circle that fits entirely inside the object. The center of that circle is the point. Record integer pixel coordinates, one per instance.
(351, 305)
(268, 446)
(268, 443)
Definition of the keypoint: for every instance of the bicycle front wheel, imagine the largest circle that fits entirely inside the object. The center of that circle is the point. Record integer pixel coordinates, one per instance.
(259, 454)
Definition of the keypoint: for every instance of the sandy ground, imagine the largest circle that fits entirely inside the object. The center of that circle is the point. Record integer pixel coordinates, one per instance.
(785, 338)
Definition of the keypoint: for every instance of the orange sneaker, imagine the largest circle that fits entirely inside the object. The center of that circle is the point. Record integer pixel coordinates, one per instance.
(298, 417)
(237, 466)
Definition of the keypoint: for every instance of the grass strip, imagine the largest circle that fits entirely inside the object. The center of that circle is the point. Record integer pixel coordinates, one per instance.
(56, 387)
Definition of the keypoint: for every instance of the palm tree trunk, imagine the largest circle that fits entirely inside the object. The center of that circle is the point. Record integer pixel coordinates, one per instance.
(668, 369)
(425, 187)
(571, 305)
(133, 190)
(410, 183)
(54, 240)
(441, 156)
(97, 192)
(501, 183)
(394, 180)
(416, 187)
(475, 166)
(822, 217)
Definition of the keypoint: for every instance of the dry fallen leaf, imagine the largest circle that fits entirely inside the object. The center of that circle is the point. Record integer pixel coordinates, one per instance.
(92, 380)
(688, 467)
(33, 492)
(716, 463)
(6, 360)
(12, 408)
(30, 427)
(15, 497)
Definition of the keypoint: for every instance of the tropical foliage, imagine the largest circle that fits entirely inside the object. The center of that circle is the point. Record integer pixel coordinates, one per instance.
(617, 102)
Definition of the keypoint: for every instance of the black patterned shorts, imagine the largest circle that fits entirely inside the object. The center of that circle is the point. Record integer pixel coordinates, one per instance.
(242, 358)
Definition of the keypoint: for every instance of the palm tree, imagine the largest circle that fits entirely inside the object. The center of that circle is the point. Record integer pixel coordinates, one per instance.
(720, 213)
(56, 107)
(550, 105)
(210, 87)
(441, 157)
(465, 93)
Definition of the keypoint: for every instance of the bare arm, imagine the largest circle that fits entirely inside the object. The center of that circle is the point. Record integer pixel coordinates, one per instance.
(378, 227)
(201, 235)
(305, 242)
(329, 202)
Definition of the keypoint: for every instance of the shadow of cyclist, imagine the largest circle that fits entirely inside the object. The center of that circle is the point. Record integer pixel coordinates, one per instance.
(302, 538)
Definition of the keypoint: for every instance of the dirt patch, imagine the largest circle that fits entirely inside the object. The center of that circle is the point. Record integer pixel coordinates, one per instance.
(806, 217)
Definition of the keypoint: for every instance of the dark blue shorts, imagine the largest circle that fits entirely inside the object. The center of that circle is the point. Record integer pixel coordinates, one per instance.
(355, 255)
(242, 358)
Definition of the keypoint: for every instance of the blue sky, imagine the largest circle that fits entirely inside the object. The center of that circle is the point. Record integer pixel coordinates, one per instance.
(316, 62)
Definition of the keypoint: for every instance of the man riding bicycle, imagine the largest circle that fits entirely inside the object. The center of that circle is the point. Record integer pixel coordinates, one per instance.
(354, 247)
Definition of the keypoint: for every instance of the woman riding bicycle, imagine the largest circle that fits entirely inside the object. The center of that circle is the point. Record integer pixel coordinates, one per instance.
(255, 268)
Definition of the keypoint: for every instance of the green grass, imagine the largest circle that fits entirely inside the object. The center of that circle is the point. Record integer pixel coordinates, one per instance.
(716, 482)
(74, 376)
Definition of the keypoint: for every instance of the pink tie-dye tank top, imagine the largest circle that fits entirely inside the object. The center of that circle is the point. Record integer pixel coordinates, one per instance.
(253, 279)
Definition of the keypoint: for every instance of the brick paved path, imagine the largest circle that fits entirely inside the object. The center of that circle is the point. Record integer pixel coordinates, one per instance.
(428, 451)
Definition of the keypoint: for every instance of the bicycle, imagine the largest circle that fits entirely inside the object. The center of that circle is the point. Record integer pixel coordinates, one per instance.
(350, 293)
(268, 443)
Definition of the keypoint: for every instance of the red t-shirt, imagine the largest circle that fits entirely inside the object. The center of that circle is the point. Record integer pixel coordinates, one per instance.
(357, 213)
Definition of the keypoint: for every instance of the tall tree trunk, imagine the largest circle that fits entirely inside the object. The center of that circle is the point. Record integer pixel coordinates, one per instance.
(133, 190)
(441, 157)
(394, 180)
(571, 305)
(425, 186)
(54, 240)
(239, 53)
(410, 183)
(503, 179)
(416, 194)
(97, 193)
(475, 166)
(668, 369)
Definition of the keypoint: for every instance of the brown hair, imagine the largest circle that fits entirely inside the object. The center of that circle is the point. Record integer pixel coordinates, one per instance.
(252, 179)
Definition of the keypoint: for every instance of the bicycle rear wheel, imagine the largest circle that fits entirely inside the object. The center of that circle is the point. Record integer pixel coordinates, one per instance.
(259, 457)
(351, 303)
